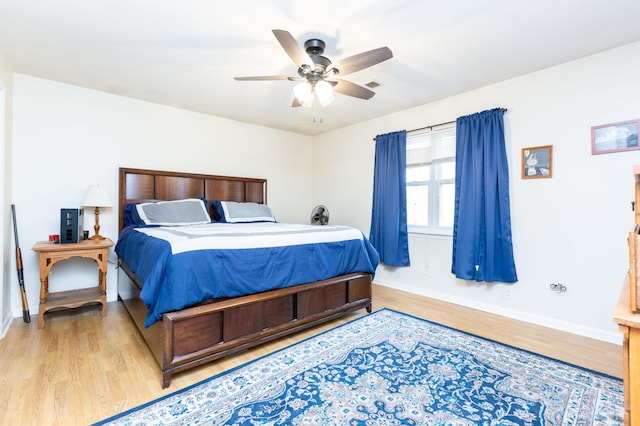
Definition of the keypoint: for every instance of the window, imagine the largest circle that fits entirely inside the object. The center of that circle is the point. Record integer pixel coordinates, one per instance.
(431, 170)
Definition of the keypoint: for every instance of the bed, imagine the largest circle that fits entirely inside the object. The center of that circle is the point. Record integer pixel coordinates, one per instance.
(206, 330)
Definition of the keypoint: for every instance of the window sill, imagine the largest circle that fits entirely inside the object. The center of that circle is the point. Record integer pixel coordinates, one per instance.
(423, 231)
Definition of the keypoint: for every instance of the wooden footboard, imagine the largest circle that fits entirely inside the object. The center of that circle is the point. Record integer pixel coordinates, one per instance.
(194, 336)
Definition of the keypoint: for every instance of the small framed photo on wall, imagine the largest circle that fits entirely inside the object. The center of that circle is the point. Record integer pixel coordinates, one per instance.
(537, 162)
(615, 137)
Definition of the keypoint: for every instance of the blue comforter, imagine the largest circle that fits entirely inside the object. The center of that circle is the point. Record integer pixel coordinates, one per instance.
(183, 266)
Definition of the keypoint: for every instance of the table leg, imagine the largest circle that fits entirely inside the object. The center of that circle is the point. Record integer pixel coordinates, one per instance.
(44, 289)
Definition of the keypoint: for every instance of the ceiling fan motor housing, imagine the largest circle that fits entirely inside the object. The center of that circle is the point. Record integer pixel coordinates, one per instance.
(314, 48)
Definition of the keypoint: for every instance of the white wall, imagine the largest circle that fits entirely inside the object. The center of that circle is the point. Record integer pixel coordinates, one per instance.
(569, 229)
(5, 191)
(67, 138)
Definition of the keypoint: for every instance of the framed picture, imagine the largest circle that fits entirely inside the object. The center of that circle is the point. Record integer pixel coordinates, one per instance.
(537, 162)
(615, 137)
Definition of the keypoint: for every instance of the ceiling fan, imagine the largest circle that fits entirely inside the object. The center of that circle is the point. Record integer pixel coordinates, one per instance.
(317, 74)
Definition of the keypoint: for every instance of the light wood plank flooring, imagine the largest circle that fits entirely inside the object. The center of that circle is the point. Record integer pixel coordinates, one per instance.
(82, 368)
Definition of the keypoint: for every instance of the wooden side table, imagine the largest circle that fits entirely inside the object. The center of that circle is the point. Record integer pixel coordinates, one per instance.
(629, 324)
(51, 253)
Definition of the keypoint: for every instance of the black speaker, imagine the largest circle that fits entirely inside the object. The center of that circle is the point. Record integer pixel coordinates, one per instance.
(71, 224)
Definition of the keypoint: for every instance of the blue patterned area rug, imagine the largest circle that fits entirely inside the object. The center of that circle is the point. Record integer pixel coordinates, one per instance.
(389, 368)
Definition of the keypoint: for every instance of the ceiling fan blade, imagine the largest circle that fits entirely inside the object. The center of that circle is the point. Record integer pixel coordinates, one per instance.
(262, 78)
(351, 89)
(293, 49)
(362, 60)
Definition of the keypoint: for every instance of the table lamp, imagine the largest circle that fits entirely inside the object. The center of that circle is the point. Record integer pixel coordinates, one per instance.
(97, 196)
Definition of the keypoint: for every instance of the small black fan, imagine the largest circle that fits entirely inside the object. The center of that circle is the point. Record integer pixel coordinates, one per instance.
(320, 215)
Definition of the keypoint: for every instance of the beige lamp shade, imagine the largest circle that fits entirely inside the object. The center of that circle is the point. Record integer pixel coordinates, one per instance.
(97, 196)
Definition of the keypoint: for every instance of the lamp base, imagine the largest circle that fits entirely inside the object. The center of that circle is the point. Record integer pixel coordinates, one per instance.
(96, 227)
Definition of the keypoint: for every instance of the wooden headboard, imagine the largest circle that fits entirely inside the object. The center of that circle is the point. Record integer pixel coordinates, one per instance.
(139, 185)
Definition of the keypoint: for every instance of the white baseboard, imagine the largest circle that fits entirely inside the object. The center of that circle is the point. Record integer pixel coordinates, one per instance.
(593, 333)
(6, 324)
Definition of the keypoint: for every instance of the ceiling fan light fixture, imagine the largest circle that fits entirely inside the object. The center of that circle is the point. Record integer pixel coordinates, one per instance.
(304, 94)
(324, 91)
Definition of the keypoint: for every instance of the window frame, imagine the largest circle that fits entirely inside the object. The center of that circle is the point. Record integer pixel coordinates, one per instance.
(433, 187)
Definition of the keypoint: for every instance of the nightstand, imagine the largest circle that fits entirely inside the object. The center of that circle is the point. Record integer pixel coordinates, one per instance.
(51, 253)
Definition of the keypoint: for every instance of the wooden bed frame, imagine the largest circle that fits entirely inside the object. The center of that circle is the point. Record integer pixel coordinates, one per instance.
(190, 337)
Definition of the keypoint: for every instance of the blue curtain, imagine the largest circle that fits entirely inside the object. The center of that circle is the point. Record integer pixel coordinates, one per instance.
(389, 213)
(482, 246)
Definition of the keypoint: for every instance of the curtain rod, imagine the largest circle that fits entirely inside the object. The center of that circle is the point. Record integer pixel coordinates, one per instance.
(437, 125)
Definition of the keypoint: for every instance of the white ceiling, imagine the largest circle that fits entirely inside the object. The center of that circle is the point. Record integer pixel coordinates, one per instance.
(185, 53)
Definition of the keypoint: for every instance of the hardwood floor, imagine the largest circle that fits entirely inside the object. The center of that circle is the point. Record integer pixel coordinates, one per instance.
(82, 368)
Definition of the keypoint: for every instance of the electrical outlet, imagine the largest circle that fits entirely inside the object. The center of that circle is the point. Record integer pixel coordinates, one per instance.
(507, 294)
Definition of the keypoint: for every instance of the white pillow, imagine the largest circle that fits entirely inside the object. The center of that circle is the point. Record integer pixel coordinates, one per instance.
(235, 212)
(190, 211)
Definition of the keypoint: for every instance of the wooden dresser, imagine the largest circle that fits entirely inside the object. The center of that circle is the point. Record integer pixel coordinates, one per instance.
(627, 317)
